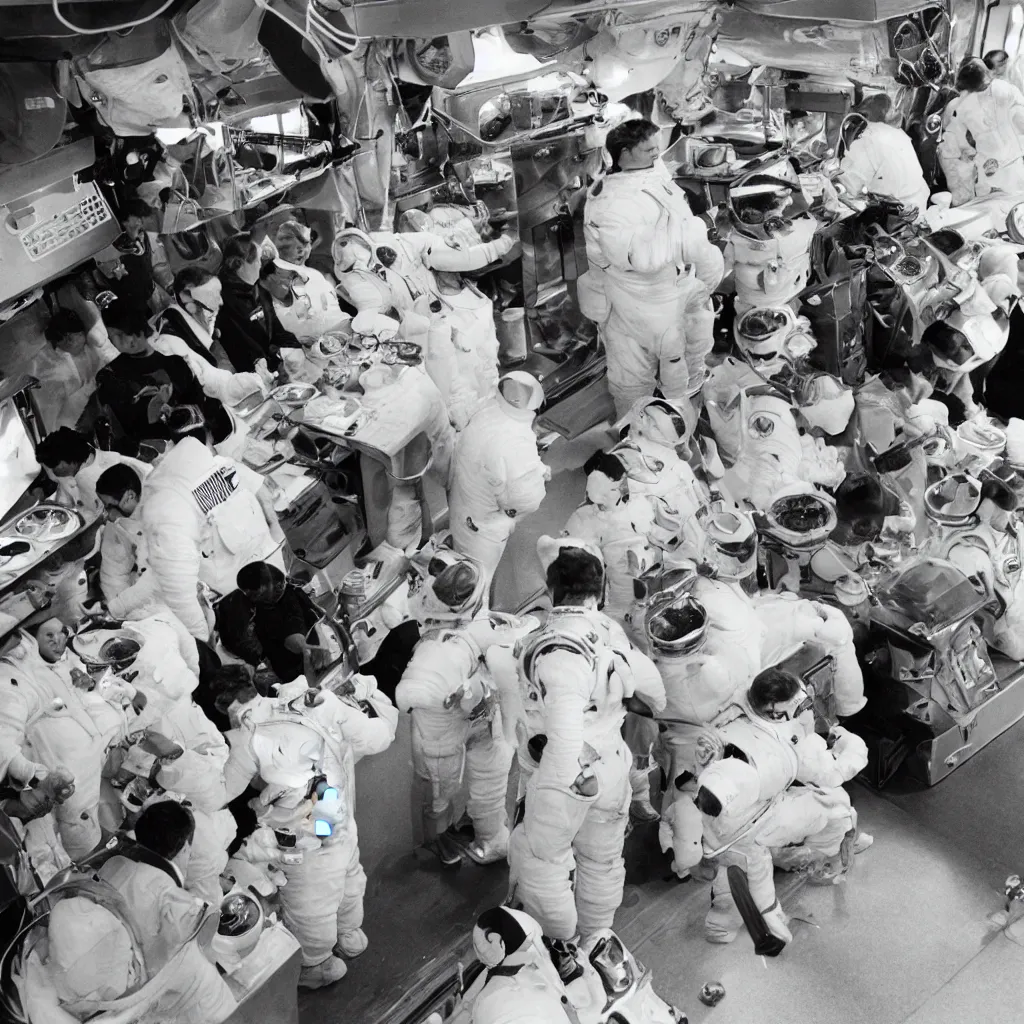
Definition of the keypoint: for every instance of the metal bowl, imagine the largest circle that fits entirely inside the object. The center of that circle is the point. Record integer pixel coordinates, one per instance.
(293, 395)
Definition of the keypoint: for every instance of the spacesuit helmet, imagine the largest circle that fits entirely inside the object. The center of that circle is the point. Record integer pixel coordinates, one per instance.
(1015, 224)
(521, 390)
(964, 342)
(953, 500)
(732, 540)
(770, 337)
(412, 221)
(639, 467)
(677, 629)
(102, 649)
(350, 248)
(825, 402)
(502, 935)
(660, 420)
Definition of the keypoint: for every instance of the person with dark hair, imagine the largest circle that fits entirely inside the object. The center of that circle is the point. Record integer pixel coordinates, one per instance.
(618, 525)
(150, 395)
(982, 145)
(882, 160)
(144, 265)
(580, 675)
(455, 742)
(314, 798)
(174, 927)
(652, 272)
(1005, 68)
(283, 616)
(76, 464)
(758, 819)
(249, 329)
(128, 589)
(633, 144)
(66, 369)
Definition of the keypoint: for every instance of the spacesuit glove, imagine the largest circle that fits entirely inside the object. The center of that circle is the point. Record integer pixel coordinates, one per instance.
(363, 686)
(834, 628)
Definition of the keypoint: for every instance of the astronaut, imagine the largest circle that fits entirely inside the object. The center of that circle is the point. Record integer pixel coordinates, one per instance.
(750, 813)
(617, 523)
(204, 517)
(769, 246)
(660, 430)
(579, 674)
(45, 726)
(303, 746)
(825, 765)
(755, 426)
(456, 728)
(882, 160)
(976, 527)
(469, 317)
(652, 272)
(624, 529)
(382, 272)
(526, 989)
(497, 476)
(701, 679)
(982, 145)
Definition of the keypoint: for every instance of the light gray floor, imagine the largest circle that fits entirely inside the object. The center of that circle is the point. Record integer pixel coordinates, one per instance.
(907, 939)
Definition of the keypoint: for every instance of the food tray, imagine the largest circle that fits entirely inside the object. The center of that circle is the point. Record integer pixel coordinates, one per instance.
(293, 395)
(47, 524)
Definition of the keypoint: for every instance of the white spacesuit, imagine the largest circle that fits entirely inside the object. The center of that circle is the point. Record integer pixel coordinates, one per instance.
(768, 250)
(44, 724)
(807, 827)
(618, 524)
(382, 272)
(659, 429)
(527, 988)
(205, 517)
(652, 272)
(882, 160)
(701, 678)
(456, 728)
(497, 475)
(469, 316)
(304, 745)
(756, 427)
(981, 150)
(576, 675)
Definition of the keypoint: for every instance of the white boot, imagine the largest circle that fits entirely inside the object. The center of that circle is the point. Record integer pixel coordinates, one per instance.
(862, 842)
(351, 944)
(320, 975)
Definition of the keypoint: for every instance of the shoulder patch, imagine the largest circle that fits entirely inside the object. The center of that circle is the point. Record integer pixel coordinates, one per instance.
(597, 189)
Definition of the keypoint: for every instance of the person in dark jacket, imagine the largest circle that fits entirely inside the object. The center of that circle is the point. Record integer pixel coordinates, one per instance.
(249, 329)
(150, 395)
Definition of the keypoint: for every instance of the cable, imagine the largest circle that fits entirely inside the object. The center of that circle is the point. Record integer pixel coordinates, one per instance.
(54, 5)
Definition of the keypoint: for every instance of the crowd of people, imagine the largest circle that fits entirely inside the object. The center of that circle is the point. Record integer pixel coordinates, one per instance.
(185, 693)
